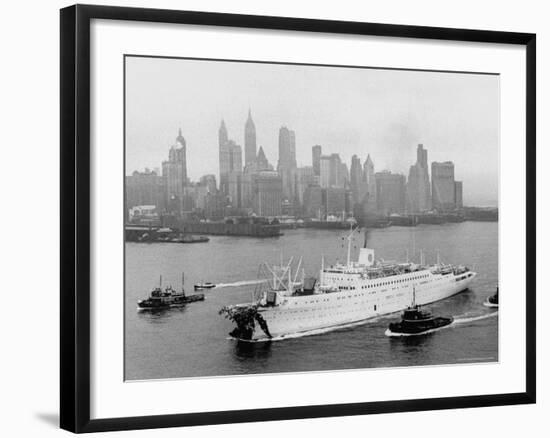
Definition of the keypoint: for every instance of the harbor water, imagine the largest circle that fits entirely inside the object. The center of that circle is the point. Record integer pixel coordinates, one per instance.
(193, 341)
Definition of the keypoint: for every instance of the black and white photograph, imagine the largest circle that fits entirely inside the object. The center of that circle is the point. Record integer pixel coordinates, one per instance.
(275, 218)
(284, 218)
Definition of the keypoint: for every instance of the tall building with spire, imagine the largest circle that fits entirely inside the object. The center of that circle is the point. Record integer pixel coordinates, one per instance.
(418, 185)
(222, 134)
(174, 172)
(249, 140)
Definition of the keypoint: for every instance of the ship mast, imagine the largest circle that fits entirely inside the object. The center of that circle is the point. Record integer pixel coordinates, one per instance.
(289, 286)
(322, 270)
(350, 237)
(279, 275)
(297, 270)
(414, 246)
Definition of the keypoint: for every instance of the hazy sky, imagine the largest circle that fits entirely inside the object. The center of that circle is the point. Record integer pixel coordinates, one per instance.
(346, 110)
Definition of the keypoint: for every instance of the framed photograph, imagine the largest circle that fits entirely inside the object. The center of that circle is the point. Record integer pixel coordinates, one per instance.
(268, 218)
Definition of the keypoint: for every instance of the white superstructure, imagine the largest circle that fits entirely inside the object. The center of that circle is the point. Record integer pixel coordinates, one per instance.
(348, 293)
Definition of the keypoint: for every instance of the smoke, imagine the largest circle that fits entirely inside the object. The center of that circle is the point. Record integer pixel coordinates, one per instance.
(400, 141)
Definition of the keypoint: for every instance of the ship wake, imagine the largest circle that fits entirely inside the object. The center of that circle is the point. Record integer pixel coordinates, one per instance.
(314, 331)
(466, 319)
(239, 283)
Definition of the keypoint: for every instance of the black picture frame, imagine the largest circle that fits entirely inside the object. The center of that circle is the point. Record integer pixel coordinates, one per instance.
(75, 216)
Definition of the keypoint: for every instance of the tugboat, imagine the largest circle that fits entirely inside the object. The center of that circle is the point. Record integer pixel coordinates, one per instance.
(415, 321)
(492, 301)
(204, 285)
(168, 298)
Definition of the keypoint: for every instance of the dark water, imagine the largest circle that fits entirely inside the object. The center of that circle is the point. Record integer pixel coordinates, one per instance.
(192, 341)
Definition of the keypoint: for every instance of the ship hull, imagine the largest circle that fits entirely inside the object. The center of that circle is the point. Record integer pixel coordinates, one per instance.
(145, 307)
(169, 303)
(361, 301)
(406, 328)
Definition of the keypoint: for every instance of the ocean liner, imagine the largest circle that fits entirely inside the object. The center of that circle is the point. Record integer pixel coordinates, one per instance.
(346, 293)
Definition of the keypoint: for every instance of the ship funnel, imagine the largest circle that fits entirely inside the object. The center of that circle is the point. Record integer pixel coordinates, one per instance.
(366, 256)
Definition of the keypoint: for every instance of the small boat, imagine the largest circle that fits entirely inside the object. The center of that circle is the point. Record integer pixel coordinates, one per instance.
(182, 239)
(168, 298)
(492, 301)
(204, 285)
(162, 299)
(415, 321)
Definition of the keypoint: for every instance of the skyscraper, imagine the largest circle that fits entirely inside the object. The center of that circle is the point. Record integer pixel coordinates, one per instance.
(261, 161)
(234, 186)
(235, 157)
(145, 188)
(174, 172)
(233, 178)
(292, 139)
(230, 158)
(249, 140)
(458, 195)
(316, 152)
(325, 172)
(287, 161)
(222, 134)
(369, 184)
(418, 186)
(336, 202)
(313, 202)
(390, 192)
(214, 205)
(343, 175)
(356, 179)
(246, 189)
(304, 179)
(332, 172)
(223, 156)
(443, 186)
(209, 181)
(267, 192)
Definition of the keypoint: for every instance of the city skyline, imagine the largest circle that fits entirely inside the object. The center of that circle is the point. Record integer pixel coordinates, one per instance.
(148, 147)
(324, 189)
